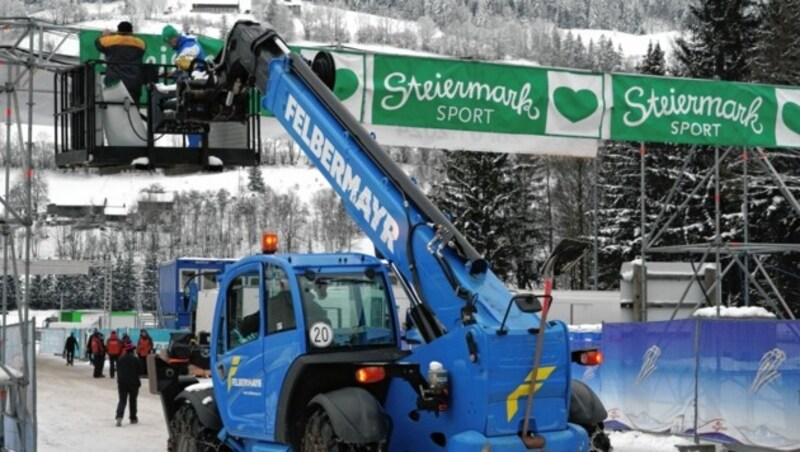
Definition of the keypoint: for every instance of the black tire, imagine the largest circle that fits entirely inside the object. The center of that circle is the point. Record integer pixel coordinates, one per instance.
(319, 436)
(189, 435)
(598, 440)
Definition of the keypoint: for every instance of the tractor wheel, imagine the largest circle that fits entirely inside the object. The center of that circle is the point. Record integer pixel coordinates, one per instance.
(319, 436)
(598, 439)
(189, 435)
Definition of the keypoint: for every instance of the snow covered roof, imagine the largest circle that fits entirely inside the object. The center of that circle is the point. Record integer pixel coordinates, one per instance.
(12, 317)
(744, 312)
(216, 2)
(59, 267)
(116, 211)
(665, 270)
(157, 197)
(586, 328)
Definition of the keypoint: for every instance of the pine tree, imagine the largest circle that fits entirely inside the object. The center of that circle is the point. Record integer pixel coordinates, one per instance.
(719, 40)
(618, 216)
(572, 204)
(255, 180)
(478, 195)
(9, 284)
(149, 285)
(777, 61)
(124, 284)
(776, 58)
(38, 290)
(529, 206)
(653, 62)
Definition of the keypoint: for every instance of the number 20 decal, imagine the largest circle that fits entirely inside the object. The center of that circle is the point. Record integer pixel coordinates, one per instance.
(320, 334)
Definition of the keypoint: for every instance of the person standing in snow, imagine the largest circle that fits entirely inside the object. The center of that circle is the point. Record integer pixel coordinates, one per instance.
(143, 348)
(113, 348)
(98, 351)
(128, 384)
(69, 349)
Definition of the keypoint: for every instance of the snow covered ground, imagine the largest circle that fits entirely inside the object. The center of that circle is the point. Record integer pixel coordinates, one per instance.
(123, 189)
(76, 413)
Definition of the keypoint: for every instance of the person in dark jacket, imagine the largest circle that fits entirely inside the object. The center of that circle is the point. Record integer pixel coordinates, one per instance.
(128, 384)
(124, 54)
(125, 341)
(69, 349)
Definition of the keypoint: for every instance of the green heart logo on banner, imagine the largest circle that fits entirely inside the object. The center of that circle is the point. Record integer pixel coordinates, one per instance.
(575, 105)
(346, 83)
(791, 116)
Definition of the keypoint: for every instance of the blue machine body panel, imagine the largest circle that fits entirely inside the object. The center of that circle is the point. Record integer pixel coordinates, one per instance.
(488, 395)
(172, 277)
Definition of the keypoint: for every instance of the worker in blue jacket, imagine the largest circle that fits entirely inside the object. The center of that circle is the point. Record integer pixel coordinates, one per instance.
(189, 57)
(187, 49)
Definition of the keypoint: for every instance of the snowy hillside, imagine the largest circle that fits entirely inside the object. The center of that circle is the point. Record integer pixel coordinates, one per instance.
(123, 189)
(633, 46)
(107, 15)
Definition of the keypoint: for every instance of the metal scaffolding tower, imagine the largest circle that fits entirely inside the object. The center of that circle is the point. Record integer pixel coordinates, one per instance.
(741, 255)
(22, 51)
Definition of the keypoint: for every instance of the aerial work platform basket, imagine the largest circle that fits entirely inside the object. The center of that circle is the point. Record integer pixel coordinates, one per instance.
(101, 126)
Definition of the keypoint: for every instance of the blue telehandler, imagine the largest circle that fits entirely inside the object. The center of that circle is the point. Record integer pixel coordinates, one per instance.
(306, 350)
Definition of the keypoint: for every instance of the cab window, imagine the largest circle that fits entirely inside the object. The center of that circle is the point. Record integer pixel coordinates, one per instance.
(280, 309)
(243, 313)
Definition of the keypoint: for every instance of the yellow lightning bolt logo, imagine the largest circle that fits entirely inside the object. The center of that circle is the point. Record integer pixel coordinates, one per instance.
(512, 404)
(234, 367)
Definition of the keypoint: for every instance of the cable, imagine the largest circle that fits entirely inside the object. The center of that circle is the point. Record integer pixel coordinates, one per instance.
(130, 121)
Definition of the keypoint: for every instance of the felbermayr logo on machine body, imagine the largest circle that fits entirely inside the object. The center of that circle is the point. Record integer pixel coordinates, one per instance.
(332, 161)
(403, 88)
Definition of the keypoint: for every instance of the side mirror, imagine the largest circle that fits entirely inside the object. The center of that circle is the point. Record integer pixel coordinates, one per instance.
(526, 302)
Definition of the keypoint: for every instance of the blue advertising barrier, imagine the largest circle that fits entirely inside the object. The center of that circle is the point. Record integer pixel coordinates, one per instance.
(747, 374)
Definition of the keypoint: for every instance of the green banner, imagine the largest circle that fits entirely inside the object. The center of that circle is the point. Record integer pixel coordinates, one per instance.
(693, 111)
(486, 97)
(439, 102)
(450, 94)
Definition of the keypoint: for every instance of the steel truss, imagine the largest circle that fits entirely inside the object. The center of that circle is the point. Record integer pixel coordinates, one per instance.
(22, 56)
(738, 254)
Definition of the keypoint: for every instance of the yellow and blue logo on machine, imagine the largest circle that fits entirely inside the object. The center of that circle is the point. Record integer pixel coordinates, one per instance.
(512, 401)
(234, 367)
(246, 383)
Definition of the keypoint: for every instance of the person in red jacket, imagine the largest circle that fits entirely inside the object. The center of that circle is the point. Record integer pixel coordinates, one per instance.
(114, 349)
(98, 350)
(143, 348)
